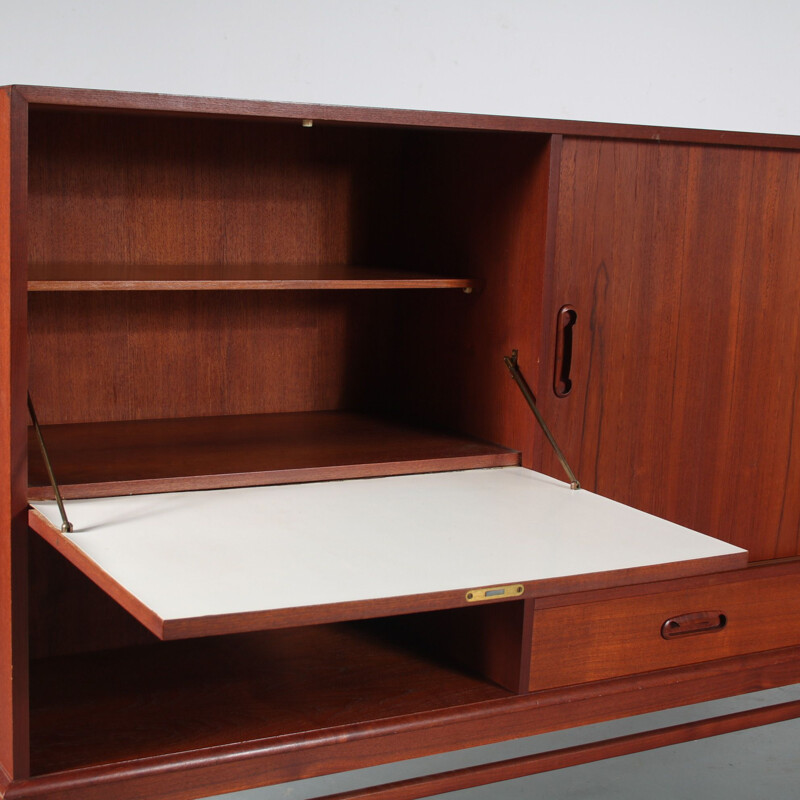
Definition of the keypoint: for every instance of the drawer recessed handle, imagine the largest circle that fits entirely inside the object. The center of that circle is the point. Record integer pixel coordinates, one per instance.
(565, 321)
(694, 624)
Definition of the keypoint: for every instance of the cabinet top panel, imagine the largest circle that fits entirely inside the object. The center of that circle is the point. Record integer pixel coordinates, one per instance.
(198, 563)
(148, 103)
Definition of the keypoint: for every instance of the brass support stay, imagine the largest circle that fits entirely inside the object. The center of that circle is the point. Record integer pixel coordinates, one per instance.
(513, 368)
(66, 525)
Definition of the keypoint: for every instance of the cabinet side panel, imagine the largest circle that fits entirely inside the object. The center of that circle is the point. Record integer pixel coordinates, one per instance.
(13, 466)
(681, 263)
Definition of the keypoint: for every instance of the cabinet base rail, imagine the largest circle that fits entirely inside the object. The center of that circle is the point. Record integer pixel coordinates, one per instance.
(522, 766)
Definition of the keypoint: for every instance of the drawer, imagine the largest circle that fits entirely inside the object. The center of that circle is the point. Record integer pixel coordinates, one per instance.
(623, 636)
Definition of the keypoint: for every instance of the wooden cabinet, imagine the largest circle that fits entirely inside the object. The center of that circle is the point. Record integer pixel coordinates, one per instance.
(266, 345)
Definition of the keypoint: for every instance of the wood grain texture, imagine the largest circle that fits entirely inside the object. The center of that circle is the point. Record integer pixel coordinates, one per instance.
(105, 189)
(131, 102)
(101, 459)
(233, 689)
(481, 202)
(5, 782)
(489, 640)
(69, 613)
(192, 774)
(224, 195)
(681, 263)
(155, 355)
(535, 764)
(780, 568)
(209, 277)
(170, 192)
(691, 367)
(622, 636)
(13, 384)
(546, 343)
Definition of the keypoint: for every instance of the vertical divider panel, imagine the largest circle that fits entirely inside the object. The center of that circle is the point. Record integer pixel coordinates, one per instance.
(546, 331)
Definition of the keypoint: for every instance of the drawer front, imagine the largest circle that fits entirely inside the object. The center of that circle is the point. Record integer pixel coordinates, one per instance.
(624, 636)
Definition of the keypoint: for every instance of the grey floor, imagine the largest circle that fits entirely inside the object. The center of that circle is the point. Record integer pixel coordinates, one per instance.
(760, 763)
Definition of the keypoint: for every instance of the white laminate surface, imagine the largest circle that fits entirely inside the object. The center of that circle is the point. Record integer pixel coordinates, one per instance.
(193, 554)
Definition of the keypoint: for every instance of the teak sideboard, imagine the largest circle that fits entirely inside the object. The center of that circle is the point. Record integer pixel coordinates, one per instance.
(310, 522)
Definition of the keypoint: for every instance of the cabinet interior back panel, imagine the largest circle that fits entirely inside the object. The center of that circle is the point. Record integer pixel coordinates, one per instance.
(116, 189)
(98, 356)
(153, 191)
(193, 560)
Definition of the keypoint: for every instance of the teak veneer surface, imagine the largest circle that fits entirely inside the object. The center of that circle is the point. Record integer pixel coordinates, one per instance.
(681, 262)
(491, 218)
(217, 196)
(160, 355)
(100, 459)
(246, 763)
(620, 636)
(13, 383)
(109, 189)
(69, 613)
(174, 697)
(536, 763)
(178, 105)
(127, 277)
(115, 191)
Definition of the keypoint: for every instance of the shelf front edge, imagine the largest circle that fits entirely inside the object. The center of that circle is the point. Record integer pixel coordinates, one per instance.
(272, 477)
(435, 601)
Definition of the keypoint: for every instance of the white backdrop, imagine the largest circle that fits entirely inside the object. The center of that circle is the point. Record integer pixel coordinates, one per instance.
(731, 64)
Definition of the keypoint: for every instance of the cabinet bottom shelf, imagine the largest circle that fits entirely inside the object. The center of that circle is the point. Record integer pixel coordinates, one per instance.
(187, 719)
(145, 456)
(169, 698)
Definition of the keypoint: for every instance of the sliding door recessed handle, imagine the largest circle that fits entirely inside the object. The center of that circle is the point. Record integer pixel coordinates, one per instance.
(565, 321)
(693, 624)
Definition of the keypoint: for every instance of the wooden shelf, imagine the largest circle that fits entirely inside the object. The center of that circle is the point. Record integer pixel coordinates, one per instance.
(118, 277)
(140, 457)
(174, 697)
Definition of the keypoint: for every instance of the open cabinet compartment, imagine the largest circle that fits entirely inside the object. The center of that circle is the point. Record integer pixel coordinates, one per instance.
(224, 302)
(165, 698)
(365, 382)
